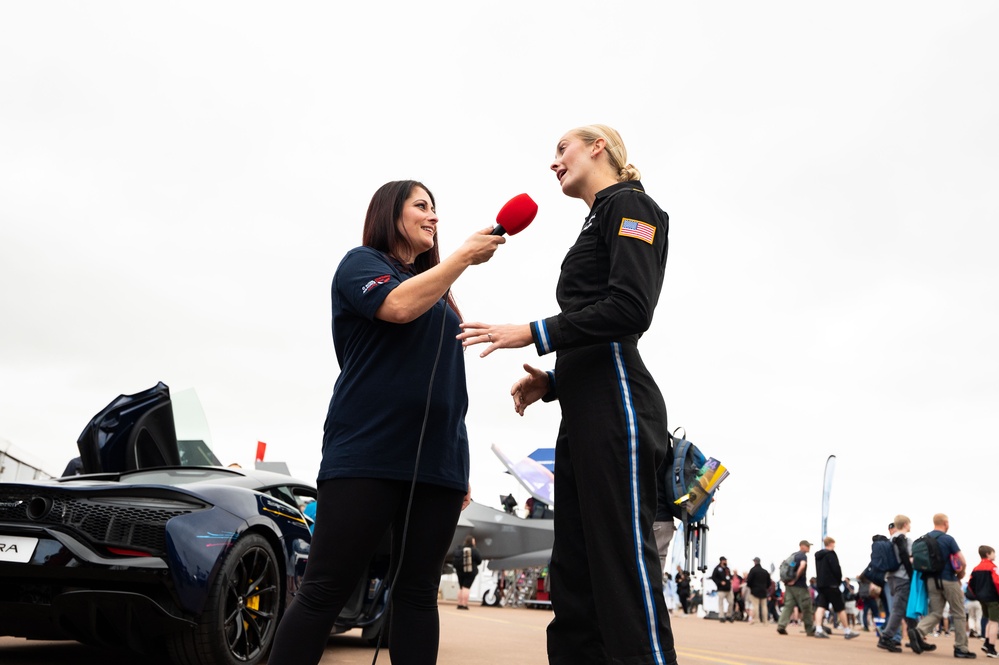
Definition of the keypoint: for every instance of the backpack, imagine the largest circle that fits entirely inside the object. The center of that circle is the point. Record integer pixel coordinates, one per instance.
(883, 555)
(788, 568)
(462, 560)
(684, 479)
(883, 560)
(926, 556)
(873, 576)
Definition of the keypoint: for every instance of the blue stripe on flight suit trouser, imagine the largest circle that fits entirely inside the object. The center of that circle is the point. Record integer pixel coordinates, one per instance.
(651, 617)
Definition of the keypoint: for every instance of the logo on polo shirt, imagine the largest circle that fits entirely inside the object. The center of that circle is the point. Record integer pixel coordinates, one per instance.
(384, 279)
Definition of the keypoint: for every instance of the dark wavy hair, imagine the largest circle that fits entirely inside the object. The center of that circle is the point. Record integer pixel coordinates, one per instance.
(381, 228)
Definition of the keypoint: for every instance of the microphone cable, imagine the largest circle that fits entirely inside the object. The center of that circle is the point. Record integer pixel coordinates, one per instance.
(412, 486)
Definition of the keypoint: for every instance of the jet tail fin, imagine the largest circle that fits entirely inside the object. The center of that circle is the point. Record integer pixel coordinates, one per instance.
(536, 479)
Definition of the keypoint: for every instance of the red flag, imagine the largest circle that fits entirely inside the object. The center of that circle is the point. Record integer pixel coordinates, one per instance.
(261, 449)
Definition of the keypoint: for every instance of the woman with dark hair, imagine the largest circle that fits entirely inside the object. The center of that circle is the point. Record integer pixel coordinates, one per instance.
(606, 579)
(395, 449)
(466, 560)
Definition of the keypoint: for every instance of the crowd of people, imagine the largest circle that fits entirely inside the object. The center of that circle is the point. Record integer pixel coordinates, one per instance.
(904, 609)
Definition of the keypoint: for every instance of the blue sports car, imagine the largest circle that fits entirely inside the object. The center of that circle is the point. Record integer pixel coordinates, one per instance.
(141, 551)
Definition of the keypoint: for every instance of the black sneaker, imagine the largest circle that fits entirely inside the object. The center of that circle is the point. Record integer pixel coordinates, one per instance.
(960, 653)
(890, 645)
(782, 631)
(915, 641)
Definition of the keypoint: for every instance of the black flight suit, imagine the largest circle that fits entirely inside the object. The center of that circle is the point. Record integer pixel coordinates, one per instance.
(605, 578)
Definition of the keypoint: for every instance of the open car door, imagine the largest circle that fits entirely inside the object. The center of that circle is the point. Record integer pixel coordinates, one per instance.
(132, 432)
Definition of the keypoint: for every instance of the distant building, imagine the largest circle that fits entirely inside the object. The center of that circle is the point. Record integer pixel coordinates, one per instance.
(17, 465)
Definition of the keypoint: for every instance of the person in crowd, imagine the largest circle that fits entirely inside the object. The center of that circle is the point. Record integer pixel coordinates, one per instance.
(682, 579)
(774, 600)
(466, 560)
(828, 578)
(972, 608)
(850, 598)
(663, 527)
(696, 600)
(897, 585)
(796, 593)
(722, 577)
(868, 602)
(738, 595)
(392, 309)
(943, 590)
(984, 585)
(606, 578)
(758, 583)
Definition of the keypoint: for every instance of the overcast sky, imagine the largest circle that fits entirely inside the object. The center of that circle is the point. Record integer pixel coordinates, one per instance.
(178, 182)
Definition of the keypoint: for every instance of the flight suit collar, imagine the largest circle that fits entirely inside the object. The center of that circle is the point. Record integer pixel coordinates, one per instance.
(617, 187)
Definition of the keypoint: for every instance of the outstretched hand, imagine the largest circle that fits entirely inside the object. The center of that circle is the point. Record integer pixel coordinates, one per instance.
(529, 389)
(504, 336)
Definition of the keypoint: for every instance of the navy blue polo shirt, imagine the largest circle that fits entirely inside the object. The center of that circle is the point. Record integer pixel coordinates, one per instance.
(376, 413)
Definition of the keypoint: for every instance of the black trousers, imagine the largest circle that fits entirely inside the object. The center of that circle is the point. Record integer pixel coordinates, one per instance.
(352, 517)
(606, 584)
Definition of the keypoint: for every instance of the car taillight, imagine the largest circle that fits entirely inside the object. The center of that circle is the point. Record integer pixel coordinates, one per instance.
(120, 551)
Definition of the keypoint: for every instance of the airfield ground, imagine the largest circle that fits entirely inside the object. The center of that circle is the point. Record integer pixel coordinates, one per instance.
(516, 636)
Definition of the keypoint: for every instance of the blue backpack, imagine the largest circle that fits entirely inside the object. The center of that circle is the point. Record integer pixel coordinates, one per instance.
(681, 476)
(883, 560)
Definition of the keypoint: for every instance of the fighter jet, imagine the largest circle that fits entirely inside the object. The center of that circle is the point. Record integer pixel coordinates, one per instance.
(504, 540)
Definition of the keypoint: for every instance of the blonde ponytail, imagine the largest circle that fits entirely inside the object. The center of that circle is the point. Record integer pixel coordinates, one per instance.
(616, 152)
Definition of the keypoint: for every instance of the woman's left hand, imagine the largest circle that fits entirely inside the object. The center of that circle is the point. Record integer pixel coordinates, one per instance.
(468, 498)
(504, 336)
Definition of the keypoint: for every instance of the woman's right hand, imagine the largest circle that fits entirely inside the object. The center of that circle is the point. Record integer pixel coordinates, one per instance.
(480, 246)
(415, 296)
(529, 389)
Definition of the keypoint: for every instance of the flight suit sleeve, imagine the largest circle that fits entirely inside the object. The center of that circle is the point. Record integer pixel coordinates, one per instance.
(552, 393)
(635, 232)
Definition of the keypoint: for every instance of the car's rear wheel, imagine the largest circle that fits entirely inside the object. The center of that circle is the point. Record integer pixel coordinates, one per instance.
(240, 617)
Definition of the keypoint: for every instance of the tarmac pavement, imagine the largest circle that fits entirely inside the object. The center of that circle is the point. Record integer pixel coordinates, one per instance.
(516, 636)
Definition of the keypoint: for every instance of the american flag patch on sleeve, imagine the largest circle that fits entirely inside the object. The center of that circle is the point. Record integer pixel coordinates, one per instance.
(632, 228)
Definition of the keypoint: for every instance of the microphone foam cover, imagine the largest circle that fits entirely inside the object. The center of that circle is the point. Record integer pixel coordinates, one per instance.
(517, 213)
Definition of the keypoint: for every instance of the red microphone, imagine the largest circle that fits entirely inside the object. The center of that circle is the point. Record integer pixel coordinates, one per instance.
(515, 215)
